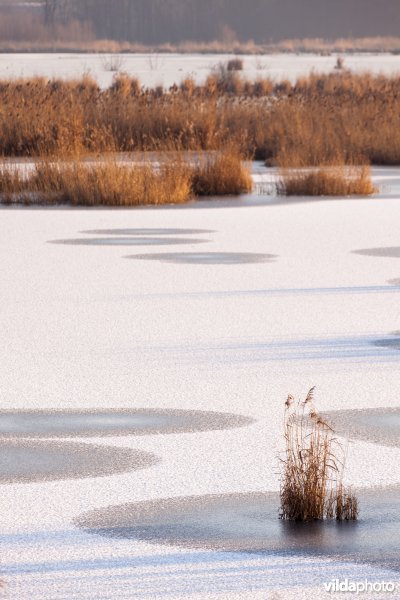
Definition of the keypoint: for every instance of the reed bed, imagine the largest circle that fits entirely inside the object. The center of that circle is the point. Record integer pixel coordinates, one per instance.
(110, 183)
(330, 181)
(225, 175)
(30, 35)
(312, 479)
(309, 123)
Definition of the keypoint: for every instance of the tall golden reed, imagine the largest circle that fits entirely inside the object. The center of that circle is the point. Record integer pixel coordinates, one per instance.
(311, 483)
(311, 122)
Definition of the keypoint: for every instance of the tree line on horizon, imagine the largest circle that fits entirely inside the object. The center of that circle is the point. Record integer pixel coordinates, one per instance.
(175, 21)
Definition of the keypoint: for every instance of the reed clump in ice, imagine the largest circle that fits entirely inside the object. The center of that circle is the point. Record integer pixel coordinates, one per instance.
(312, 477)
(106, 184)
(339, 180)
(112, 183)
(223, 175)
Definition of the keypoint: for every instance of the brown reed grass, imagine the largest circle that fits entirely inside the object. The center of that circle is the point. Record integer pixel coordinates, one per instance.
(11, 184)
(106, 184)
(168, 180)
(224, 175)
(311, 484)
(329, 181)
(309, 123)
(30, 35)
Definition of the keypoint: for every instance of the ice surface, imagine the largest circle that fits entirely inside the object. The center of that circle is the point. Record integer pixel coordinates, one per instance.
(378, 425)
(207, 258)
(24, 461)
(249, 523)
(167, 69)
(83, 328)
(40, 424)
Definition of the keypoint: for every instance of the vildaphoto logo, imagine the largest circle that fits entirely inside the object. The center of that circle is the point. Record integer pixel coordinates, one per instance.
(359, 587)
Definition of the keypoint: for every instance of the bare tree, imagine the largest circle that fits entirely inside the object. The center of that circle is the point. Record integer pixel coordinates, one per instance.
(49, 7)
(162, 21)
(56, 10)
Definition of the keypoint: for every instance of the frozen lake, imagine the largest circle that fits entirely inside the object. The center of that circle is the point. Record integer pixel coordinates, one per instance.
(24, 461)
(85, 327)
(249, 523)
(69, 424)
(167, 69)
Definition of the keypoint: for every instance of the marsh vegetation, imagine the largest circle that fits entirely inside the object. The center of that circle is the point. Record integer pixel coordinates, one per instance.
(312, 478)
(319, 122)
(172, 180)
(339, 180)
